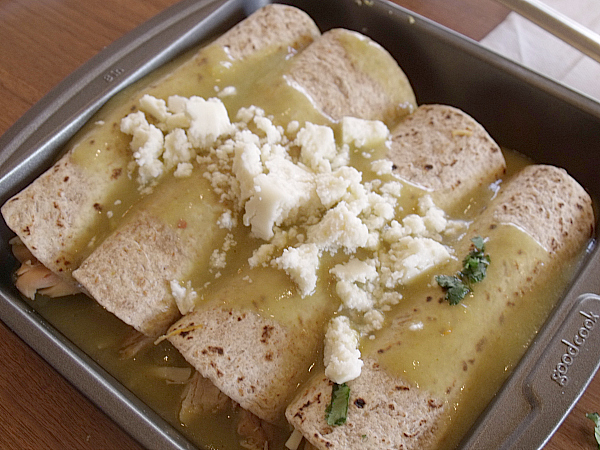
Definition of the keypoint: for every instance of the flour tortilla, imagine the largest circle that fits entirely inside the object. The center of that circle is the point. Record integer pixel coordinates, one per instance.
(228, 344)
(262, 375)
(130, 272)
(455, 153)
(348, 74)
(387, 412)
(58, 215)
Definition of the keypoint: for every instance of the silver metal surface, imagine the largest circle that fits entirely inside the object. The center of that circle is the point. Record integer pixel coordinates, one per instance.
(563, 27)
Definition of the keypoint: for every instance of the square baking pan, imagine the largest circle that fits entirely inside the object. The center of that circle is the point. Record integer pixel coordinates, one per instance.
(522, 110)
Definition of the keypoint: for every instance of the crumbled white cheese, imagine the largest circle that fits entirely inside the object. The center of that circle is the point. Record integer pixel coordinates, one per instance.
(147, 145)
(227, 92)
(317, 147)
(176, 115)
(301, 265)
(177, 104)
(434, 217)
(415, 326)
(341, 355)
(227, 220)
(339, 229)
(277, 194)
(247, 165)
(335, 186)
(409, 257)
(185, 296)
(295, 190)
(354, 297)
(247, 114)
(382, 167)
(154, 106)
(363, 133)
(392, 188)
(177, 148)
(272, 132)
(184, 169)
(209, 121)
(374, 320)
(292, 127)
(353, 279)
(218, 259)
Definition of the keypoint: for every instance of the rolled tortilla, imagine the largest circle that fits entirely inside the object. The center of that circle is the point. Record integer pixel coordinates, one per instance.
(130, 273)
(61, 217)
(349, 74)
(67, 214)
(425, 365)
(256, 338)
(456, 154)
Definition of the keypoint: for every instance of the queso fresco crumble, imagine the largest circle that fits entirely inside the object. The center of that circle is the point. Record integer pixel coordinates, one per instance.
(296, 190)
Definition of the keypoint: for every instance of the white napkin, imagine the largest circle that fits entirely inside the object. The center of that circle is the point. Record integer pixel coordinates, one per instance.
(519, 39)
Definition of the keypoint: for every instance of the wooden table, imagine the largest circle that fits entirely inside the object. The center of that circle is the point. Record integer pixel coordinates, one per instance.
(41, 42)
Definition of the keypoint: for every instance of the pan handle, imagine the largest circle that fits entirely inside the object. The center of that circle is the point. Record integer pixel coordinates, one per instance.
(561, 26)
(546, 387)
(553, 374)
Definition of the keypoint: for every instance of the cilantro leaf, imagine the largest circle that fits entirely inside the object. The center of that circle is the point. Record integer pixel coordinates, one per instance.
(478, 243)
(475, 266)
(474, 270)
(336, 412)
(595, 417)
(456, 290)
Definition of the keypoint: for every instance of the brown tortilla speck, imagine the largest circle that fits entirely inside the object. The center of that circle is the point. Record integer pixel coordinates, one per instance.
(480, 345)
(360, 403)
(266, 334)
(306, 405)
(116, 173)
(433, 404)
(217, 350)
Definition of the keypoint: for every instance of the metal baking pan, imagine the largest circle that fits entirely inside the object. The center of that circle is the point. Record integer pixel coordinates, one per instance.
(522, 110)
